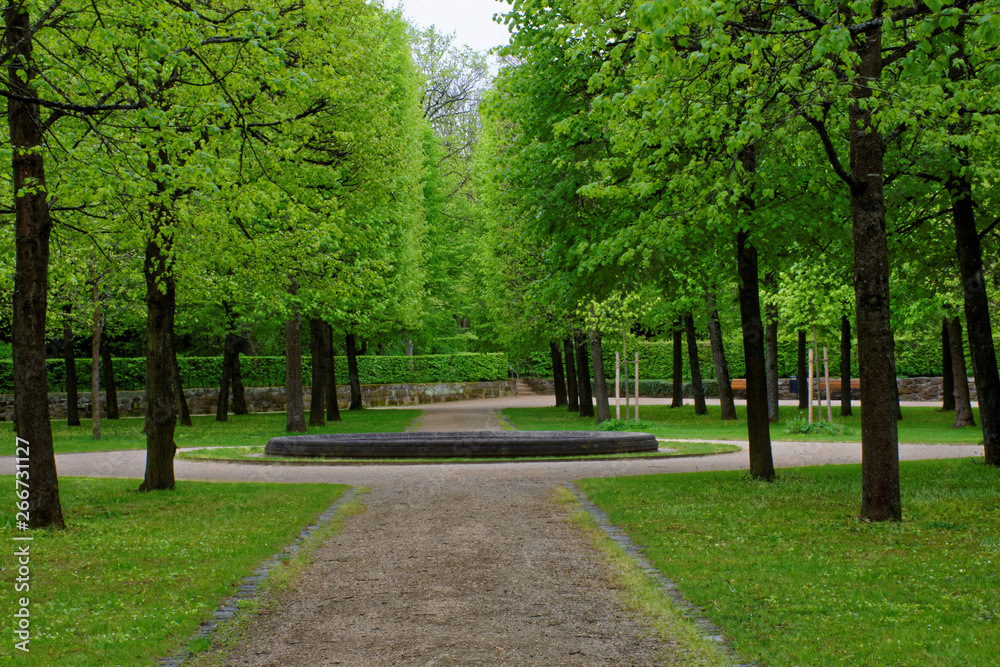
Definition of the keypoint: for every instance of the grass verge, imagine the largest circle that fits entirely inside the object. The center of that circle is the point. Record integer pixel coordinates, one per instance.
(255, 454)
(204, 431)
(793, 577)
(135, 574)
(687, 645)
(920, 425)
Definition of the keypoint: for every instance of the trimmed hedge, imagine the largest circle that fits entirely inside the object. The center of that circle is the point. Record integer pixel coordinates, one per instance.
(130, 374)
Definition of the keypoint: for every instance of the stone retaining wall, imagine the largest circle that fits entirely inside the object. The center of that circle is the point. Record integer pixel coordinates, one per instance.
(272, 399)
(910, 389)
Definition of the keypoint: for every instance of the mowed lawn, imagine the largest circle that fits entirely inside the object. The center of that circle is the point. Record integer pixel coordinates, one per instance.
(794, 578)
(238, 431)
(920, 425)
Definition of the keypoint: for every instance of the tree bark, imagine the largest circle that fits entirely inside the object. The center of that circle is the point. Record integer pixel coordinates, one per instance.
(183, 414)
(963, 404)
(803, 371)
(758, 427)
(110, 390)
(317, 409)
(771, 351)
(222, 404)
(583, 376)
(32, 226)
(726, 402)
(947, 372)
(558, 378)
(295, 411)
(161, 402)
(69, 357)
(699, 390)
(572, 394)
(600, 379)
(845, 366)
(332, 407)
(677, 391)
(880, 492)
(95, 364)
(352, 372)
(236, 377)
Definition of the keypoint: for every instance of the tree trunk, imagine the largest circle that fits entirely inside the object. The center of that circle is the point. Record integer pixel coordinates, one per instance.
(332, 407)
(95, 365)
(845, 366)
(963, 404)
(880, 492)
(947, 373)
(32, 225)
(222, 404)
(600, 379)
(677, 391)
(184, 416)
(803, 371)
(558, 378)
(352, 373)
(69, 357)
(699, 389)
(583, 376)
(161, 402)
(726, 402)
(317, 409)
(758, 427)
(771, 352)
(295, 411)
(236, 377)
(110, 390)
(572, 394)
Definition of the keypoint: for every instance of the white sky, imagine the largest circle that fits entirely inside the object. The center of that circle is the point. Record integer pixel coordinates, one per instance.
(470, 20)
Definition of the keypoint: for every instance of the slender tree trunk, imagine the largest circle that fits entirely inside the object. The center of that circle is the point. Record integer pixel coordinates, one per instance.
(880, 492)
(317, 409)
(184, 415)
(726, 402)
(600, 378)
(758, 427)
(161, 402)
(947, 373)
(803, 371)
(845, 366)
(95, 364)
(699, 390)
(332, 408)
(572, 393)
(558, 378)
(222, 404)
(583, 376)
(963, 404)
(32, 225)
(236, 377)
(677, 391)
(69, 357)
(110, 390)
(771, 350)
(352, 372)
(295, 411)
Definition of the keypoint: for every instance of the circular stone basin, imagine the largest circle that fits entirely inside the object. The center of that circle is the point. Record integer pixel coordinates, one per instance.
(463, 444)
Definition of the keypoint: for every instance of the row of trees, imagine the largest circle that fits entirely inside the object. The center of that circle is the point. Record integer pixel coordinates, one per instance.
(250, 162)
(701, 152)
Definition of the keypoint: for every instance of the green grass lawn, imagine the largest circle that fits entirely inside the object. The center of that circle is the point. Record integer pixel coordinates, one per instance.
(920, 425)
(135, 574)
(793, 578)
(206, 432)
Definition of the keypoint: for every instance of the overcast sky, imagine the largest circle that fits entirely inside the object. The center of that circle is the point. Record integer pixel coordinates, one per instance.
(470, 20)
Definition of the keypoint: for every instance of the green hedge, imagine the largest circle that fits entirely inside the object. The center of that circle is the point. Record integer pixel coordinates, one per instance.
(130, 373)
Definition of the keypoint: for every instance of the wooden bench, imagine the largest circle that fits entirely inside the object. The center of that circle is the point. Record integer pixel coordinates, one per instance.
(740, 384)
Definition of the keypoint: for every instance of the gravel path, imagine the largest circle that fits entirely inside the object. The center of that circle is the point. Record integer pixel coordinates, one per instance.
(458, 564)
